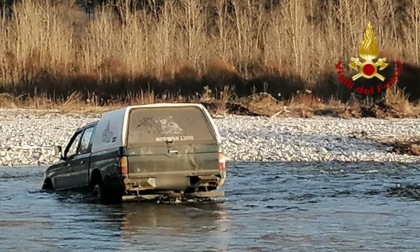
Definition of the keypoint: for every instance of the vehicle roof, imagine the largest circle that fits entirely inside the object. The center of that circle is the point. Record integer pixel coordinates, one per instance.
(88, 125)
(163, 105)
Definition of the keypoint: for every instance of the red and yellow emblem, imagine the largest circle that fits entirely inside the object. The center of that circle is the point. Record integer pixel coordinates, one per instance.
(368, 50)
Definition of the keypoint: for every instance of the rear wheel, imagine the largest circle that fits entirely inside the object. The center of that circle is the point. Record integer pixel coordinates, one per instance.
(102, 195)
(97, 187)
(98, 193)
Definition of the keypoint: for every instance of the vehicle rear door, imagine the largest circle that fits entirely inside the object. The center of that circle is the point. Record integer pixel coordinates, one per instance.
(79, 164)
(171, 140)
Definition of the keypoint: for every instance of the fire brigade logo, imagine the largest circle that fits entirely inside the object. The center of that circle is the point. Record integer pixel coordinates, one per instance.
(369, 51)
(367, 68)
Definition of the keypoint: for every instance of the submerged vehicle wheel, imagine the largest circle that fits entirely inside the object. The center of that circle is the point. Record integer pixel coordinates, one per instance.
(102, 195)
(98, 193)
(47, 185)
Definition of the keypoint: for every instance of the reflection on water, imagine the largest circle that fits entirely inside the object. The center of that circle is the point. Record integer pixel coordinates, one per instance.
(268, 207)
(143, 225)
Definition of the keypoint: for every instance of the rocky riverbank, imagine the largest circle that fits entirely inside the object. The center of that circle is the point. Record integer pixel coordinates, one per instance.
(28, 137)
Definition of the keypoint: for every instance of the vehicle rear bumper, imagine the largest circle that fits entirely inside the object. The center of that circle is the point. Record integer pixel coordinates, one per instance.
(136, 183)
(174, 196)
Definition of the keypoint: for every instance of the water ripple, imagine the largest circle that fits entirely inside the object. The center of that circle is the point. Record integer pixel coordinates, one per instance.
(268, 207)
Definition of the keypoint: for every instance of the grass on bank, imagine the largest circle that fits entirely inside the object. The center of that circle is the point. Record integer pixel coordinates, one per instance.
(394, 105)
(51, 49)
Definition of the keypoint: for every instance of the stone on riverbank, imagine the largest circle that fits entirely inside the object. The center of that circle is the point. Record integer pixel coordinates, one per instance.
(28, 137)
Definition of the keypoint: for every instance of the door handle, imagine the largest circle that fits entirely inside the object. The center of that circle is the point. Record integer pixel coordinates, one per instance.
(173, 151)
(82, 162)
(68, 165)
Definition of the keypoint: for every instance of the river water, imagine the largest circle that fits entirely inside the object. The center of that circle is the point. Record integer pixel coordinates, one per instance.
(268, 207)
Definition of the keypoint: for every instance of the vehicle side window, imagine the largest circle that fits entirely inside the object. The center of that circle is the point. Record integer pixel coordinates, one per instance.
(85, 142)
(73, 146)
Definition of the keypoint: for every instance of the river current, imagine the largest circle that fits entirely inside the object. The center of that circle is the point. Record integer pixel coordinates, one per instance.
(268, 207)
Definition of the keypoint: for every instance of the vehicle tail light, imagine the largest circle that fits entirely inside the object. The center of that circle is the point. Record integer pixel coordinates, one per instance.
(222, 161)
(123, 164)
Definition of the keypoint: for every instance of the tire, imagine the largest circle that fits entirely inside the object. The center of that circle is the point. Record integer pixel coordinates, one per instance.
(102, 196)
(47, 185)
(98, 193)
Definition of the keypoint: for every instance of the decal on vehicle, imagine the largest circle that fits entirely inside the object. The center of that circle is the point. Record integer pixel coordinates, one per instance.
(169, 127)
(159, 125)
(107, 134)
(149, 123)
(174, 138)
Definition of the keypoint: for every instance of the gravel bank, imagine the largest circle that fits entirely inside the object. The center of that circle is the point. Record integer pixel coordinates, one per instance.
(28, 137)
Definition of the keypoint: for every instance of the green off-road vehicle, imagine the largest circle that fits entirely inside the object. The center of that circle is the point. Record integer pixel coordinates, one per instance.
(144, 153)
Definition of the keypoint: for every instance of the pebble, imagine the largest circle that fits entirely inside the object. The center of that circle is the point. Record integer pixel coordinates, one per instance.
(28, 138)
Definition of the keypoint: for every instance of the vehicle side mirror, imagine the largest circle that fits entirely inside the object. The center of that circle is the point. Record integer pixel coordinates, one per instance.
(59, 150)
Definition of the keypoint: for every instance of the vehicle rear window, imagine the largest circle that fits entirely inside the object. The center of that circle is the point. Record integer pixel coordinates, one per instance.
(173, 124)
